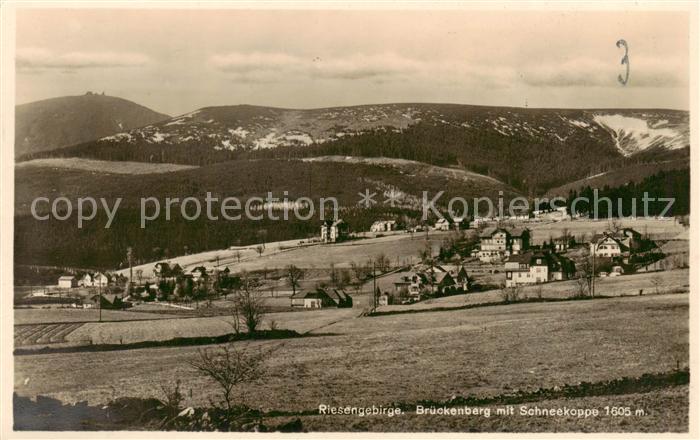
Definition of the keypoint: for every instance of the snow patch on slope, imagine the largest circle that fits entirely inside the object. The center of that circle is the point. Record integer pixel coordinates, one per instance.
(240, 132)
(633, 135)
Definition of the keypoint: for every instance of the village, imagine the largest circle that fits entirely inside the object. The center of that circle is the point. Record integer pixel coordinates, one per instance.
(450, 257)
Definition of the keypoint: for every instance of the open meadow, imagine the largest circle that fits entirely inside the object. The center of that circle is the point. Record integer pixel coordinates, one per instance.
(104, 166)
(657, 229)
(486, 351)
(675, 281)
(403, 248)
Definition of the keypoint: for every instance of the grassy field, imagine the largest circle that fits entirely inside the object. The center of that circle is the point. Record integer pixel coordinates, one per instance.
(487, 351)
(104, 166)
(663, 410)
(44, 315)
(157, 322)
(675, 281)
(126, 332)
(403, 248)
(585, 228)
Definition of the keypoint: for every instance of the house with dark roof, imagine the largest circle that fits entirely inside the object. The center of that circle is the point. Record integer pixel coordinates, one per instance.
(109, 301)
(321, 298)
(519, 240)
(537, 267)
(443, 282)
(340, 297)
(412, 282)
(333, 231)
(609, 245)
(198, 272)
(616, 244)
(497, 243)
(463, 280)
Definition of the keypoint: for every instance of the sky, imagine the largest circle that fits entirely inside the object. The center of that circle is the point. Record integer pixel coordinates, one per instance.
(175, 61)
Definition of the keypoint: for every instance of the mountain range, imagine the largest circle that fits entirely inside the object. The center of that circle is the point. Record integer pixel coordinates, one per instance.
(533, 150)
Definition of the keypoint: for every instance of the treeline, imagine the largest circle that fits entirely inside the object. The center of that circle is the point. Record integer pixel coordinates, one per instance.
(53, 242)
(628, 199)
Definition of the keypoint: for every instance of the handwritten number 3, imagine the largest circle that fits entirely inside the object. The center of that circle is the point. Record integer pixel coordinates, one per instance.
(626, 61)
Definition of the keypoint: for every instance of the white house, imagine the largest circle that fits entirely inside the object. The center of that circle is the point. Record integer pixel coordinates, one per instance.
(412, 282)
(608, 245)
(332, 231)
(498, 243)
(97, 279)
(383, 299)
(442, 225)
(383, 226)
(531, 268)
(67, 282)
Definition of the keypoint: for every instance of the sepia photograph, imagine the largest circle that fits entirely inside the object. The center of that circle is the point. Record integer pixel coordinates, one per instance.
(348, 218)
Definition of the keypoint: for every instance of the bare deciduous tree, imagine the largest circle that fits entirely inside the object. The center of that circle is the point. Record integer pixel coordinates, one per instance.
(614, 225)
(294, 276)
(249, 307)
(260, 249)
(229, 368)
(426, 254)
(360, 273)
(510, 294)
(585, 277)
(383, 263)
(582, 286)
(657, 281)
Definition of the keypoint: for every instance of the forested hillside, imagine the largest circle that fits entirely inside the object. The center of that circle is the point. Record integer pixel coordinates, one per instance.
(531, 149)
(53, 242)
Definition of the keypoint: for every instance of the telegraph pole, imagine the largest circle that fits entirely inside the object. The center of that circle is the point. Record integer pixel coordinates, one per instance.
(593, 271)
(99, 290)
(374, 288)
(129, 256)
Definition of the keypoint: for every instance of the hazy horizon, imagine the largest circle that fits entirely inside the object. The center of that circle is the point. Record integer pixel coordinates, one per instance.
(177, 61)
(364, 105)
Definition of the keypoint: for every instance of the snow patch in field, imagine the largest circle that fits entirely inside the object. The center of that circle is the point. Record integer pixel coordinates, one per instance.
(632, 135)
(180, 121)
